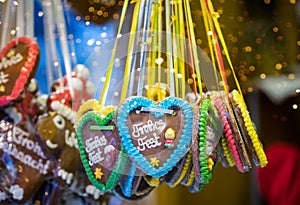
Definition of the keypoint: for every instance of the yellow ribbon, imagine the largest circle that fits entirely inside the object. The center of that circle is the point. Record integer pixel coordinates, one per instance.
(112, 59)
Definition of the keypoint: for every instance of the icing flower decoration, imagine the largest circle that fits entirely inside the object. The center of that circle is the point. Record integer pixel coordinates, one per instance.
(98, 173)
(17, 192)
(154, 162)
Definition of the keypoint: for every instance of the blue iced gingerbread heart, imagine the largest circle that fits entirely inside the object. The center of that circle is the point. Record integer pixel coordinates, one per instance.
(155, 135)
(100, 149)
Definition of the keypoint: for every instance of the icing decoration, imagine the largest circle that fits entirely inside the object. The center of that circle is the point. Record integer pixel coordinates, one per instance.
(27, 108)
(238, 137)
(17, 192)
(154, 182)
(195, 143)
(61, 102)
(82, 88)
(185, 169)
(98, 173)
(229, 161)
(205, 173)
(18, 63)
(58, 138)
(142, 133)
(237, 97)
(27, 162)
(169, 138)
(154, 162)
(89, 105)
(228, 132)
(190, 179)
(100, 149)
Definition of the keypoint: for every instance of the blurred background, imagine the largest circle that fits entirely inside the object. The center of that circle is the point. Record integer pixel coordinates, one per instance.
(263, 39)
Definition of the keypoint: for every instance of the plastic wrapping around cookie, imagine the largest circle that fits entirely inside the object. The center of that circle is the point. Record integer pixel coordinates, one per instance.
(177, 174)
(134, 103)
(120, 161)
(130, 179)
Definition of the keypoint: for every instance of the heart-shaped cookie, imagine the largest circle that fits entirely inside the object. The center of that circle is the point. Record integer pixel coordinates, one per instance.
(155, 135)
(23, 164)
(100, 149)
(18, 62)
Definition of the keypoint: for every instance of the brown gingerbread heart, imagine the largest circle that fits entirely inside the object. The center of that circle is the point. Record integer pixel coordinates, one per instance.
(24, 165)
(18, 63)
(155, 135)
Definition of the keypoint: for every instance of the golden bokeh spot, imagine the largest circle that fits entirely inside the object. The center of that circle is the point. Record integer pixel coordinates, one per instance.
(278, 66)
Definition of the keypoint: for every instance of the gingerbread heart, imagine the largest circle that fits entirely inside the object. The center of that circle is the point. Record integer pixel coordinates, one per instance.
(100, 149)
(23, 164)
(155, 135)
(18, 63)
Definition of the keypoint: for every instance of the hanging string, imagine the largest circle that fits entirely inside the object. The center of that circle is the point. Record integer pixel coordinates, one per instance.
(222, 40)
(210, 39)
(62, 33)
(20, 22)
(175, 46)
(169, 52)
(52, 61)
(7, 22)
(151, 72)
(159, 40)
(112, 59)
(130, 54)
(71, 38)
(181, 44)
(29, 18)
(145, 36)
(194, 53)
(141, 10)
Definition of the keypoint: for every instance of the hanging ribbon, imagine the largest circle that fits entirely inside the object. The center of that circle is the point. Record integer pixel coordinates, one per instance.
(112, 59)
